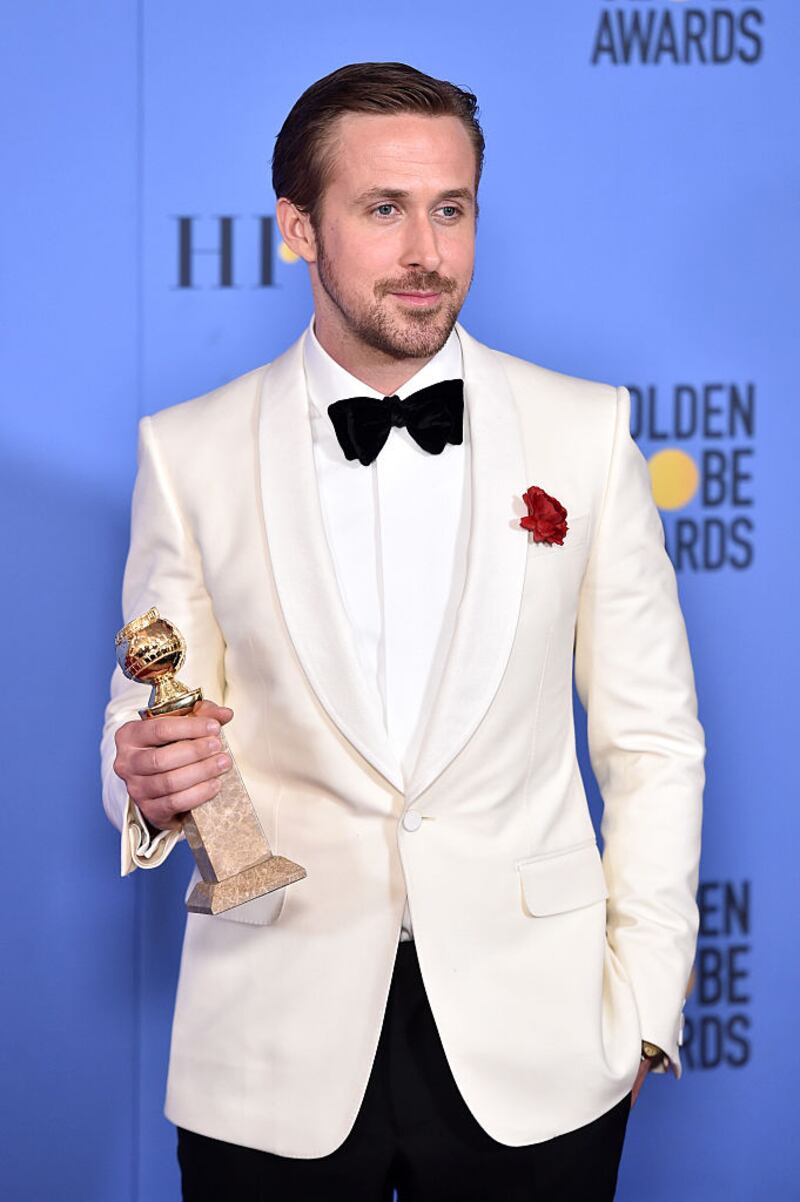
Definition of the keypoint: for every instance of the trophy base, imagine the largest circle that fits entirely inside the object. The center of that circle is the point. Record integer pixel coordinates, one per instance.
(209, 897)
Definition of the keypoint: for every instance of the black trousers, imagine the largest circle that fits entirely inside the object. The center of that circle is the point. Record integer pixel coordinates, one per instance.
(413, 1134)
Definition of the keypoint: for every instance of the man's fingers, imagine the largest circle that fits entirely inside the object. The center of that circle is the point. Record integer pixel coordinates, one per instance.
(149, 761)
(209, 709)
(172, 764)
(176, 780)
(162, 811)
(158, 731)
(206, 720)
(164, 824)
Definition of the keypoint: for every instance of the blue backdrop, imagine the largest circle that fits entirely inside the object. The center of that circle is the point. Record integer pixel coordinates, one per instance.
(638, 226)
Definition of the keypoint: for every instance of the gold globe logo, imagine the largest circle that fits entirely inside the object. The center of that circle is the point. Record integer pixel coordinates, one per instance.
(286, 255)
(673, 477)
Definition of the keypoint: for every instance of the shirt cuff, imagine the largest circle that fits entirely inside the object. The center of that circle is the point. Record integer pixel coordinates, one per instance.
(142, 845)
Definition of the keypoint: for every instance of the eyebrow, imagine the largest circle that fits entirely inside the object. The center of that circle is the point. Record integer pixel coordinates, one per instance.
(401, 194)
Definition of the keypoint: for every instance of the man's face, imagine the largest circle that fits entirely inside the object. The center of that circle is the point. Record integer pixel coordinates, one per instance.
(395, 233)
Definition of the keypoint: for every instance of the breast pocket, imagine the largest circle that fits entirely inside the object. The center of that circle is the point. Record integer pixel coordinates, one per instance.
(574, 540)
(557, 881)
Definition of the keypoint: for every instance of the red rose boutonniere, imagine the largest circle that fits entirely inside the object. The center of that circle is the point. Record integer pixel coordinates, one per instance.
(546, 517)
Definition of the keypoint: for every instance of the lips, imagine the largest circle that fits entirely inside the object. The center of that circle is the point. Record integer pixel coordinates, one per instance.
(418, 298)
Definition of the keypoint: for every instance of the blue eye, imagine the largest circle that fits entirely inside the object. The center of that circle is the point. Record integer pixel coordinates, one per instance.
(382, 209)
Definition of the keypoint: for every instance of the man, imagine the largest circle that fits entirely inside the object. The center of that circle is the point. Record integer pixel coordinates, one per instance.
(385, 549)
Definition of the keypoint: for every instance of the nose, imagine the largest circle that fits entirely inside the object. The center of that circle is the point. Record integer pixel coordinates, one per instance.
(421, 249)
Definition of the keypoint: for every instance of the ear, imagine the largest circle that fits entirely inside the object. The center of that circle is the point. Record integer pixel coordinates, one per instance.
(296, 230)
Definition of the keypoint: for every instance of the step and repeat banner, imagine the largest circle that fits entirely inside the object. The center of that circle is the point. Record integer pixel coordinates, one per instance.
(638, 226)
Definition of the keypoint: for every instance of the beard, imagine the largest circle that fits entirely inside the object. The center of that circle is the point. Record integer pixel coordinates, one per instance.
(419, 334)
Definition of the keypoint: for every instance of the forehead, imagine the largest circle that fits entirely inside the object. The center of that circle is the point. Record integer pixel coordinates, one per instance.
(400, 150)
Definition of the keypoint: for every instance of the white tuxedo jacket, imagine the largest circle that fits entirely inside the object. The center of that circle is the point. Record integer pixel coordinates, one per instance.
(544, 964)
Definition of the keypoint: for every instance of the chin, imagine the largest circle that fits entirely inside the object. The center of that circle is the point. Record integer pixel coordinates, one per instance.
(418, 335)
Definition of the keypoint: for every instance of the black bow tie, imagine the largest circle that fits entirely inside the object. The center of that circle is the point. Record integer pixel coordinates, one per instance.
(433, 416)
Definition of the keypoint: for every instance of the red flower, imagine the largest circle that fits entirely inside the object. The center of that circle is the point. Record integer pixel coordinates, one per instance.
(546, 516)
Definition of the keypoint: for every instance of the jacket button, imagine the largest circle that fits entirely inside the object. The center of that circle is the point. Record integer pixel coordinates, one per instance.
(412, 821)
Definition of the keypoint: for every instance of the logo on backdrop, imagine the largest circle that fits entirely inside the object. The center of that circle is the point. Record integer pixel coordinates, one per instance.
(637, 32)
(228, 251)
(718, 1023)
(715, 476)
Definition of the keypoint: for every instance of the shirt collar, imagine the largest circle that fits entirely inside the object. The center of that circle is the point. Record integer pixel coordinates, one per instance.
(328, 381)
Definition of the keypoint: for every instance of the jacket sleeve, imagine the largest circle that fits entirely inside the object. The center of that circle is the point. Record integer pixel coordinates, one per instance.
(163, 569)
(634, 676)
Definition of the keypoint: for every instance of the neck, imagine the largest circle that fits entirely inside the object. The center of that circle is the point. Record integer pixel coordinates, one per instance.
(372, 367)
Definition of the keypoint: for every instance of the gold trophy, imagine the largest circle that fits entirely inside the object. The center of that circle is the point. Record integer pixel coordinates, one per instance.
(231, 850)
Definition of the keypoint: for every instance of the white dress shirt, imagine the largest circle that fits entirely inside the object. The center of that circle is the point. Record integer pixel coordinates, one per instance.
(398, 530)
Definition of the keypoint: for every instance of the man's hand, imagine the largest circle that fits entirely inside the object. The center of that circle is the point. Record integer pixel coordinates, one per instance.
(644, 1069)
(170, 765)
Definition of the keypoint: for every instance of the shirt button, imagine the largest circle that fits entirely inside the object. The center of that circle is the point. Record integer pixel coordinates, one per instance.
(412, 820)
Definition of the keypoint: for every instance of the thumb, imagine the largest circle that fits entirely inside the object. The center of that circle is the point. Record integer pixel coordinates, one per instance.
(210, 709)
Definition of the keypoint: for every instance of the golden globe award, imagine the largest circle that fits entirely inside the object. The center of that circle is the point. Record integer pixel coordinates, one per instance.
(231, 850)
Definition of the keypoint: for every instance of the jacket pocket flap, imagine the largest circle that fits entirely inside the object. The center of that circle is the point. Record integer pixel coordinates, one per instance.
(560, 881)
